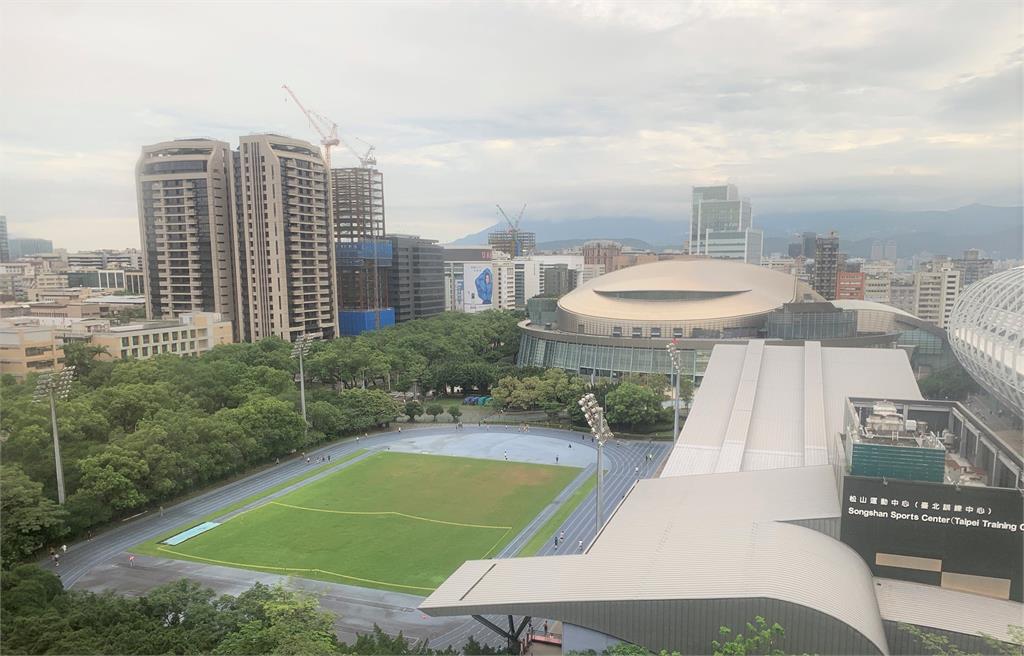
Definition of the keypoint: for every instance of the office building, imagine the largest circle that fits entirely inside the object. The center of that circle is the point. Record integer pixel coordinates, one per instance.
(5, 247)
(513, 242)
(826, 265)
(416, 277)
(192, 333)
(186, 203)
(558, 279)
(602, 252)
(972, 267)
(935, 292)
(23, 247)
(756, 513)
(103, 278)
(456, 261)
(362, 251)
(795, 249)
(28, 349)
(986, 329)
(129, 258)
(285, 240)
(850, 285)
(810, 244)
(878, 276)
(741, 245)
(718, 214)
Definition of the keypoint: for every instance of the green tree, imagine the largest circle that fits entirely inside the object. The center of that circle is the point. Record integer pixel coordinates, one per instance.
(413, 409)
(434, 409)
(632, 405)
(455, 411)
(760, 638)
(951, 383)
(28, 520)
(82, 356)
(277, 621)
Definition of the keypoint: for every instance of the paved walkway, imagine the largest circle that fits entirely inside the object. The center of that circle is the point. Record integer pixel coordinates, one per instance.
(102, 563)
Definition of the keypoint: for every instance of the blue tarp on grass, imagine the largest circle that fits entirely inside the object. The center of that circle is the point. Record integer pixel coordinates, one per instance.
(191, 533)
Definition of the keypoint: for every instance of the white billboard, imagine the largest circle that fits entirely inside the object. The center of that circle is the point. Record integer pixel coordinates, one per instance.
(477, 287)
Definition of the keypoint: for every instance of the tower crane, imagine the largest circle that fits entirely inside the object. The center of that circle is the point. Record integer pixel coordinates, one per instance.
(325, 127)
(513, 228)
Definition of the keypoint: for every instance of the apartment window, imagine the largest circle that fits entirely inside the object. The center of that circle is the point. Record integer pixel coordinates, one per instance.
(124, 341)
(145, 351)
(135, 340)
(145, 339)
(677, 332)
(616, 331)
(638, 331)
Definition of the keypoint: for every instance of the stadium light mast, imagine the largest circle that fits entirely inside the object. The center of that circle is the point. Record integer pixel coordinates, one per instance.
(676, 356)
(55, 387)
(300, 349)
(599, 429)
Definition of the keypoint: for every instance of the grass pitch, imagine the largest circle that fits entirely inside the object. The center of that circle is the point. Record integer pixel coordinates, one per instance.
(396, 521)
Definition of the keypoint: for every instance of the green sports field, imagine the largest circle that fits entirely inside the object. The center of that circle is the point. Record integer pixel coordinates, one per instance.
(396, 521)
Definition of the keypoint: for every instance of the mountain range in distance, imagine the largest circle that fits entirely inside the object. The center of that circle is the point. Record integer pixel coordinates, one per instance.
(999, 231)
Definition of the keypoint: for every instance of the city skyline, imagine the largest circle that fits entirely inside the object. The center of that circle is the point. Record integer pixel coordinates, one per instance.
(581, 110)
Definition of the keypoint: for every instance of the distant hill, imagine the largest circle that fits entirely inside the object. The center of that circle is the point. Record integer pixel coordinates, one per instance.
(560, 244)
(996, 230)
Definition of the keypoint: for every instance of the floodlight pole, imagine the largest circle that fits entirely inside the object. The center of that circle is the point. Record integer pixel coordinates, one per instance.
(599, 429)
(56, 446)
(302, 390)
(675, 358)
(299, 350)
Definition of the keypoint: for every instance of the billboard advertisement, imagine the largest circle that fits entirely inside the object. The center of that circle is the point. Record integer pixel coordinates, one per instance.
(963, 537)
(477, 287)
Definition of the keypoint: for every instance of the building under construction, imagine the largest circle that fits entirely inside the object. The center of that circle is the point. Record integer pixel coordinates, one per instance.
(363, 254)
(513, 242)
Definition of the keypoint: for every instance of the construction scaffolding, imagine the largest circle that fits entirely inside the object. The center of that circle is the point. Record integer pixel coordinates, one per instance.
(363, 252)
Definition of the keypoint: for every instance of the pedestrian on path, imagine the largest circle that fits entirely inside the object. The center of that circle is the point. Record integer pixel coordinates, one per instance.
(307, 460)
(506, 455)
(636, 470)
(561, 536)
(556, 542)
(545, 627)
(131, 560)
(64, 548)
(277, 461)
(556, 460)
(580, 545)
(161, 511)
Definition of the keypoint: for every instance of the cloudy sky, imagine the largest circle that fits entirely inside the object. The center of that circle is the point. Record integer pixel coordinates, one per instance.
(581, 109)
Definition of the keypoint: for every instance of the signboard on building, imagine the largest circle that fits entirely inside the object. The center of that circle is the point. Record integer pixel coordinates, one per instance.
(477, 287)
(963, 537)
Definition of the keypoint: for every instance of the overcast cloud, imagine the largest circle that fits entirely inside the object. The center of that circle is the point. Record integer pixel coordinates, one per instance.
(580, 109)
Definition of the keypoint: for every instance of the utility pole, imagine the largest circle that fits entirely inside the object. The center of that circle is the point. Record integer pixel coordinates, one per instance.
(599, 429)
(299, 350)
(55, 387)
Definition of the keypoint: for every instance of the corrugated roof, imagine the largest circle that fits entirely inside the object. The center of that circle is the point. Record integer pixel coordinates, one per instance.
(697, 537)
(777, 406)
(950, 610)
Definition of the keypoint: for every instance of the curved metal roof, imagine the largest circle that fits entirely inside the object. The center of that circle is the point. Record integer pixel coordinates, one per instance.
(686, 290)
(710, 537)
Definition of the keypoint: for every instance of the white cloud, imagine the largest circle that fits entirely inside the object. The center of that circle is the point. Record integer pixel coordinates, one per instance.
(579, 108)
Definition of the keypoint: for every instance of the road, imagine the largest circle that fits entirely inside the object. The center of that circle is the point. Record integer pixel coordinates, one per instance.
(102, 563)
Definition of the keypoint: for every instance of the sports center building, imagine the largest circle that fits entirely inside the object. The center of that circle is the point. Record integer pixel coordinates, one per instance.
(810, 485)
(620, 323)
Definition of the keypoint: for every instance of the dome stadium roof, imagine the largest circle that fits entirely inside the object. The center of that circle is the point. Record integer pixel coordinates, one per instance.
(687, 290)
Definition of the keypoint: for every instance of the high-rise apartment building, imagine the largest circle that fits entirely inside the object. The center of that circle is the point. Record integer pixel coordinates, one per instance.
(5, 248)
(903, 293)
(186, 207)
(826, 266)
(284, 240)
(362, 252)
(973, 267)
(416, 277)
(878, 280)
(717, 209)
(935, 292)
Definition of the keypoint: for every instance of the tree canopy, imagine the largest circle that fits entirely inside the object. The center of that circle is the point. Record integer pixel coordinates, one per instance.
(136, 433)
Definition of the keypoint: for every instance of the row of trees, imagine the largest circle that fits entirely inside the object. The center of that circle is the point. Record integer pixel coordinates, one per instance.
(137, 433)
(40, 617)
(630, 403)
